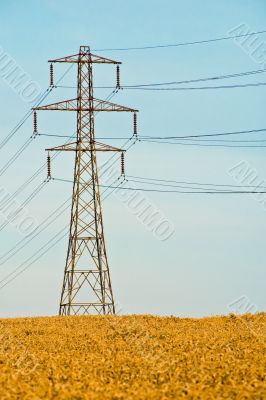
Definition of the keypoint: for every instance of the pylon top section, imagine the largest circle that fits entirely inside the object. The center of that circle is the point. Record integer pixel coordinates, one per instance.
(84, 56)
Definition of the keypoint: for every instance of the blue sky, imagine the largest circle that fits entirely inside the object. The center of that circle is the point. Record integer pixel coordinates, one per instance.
(217, 253)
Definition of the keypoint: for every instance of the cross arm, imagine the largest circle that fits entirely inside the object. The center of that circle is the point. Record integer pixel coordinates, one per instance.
(84, 147)
(85, 58)
(83, 105)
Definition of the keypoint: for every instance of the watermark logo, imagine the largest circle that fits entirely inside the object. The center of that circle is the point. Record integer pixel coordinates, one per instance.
(138, 204)
(15, 214)
(243, 305)
(253, 45)
(17, 79)
(244, 174)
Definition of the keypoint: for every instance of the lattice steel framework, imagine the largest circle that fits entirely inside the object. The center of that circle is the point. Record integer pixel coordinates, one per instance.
(87, 287)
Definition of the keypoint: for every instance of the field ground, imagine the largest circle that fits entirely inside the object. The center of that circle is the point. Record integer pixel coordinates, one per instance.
(133, 357)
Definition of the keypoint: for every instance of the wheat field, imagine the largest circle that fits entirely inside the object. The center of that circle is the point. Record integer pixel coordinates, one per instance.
(133, 357)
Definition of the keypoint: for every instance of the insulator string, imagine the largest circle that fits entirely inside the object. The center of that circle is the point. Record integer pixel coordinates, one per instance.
(51, 75)
(123, 164)
(48, 166)
(35, 128)
(135, 125)
(118, 77)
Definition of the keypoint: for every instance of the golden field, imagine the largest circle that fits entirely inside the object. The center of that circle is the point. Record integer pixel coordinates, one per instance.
(133, 357)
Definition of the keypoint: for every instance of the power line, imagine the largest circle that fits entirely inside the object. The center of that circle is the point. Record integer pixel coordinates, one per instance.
(148, 183)
(36, 234)
(262, 130)
(18, 269)
(61, 234)
(56, 154)
(74, 137)
(189, 192)
(27, 239)
(199, 87)
(23, 120)
(20, 124)
(185, 137)
(161, 140)
(213, 78)
(22, 188)
(15, 156)
(54, 135)
(170, 185)
(188, 185)
(136, 177)
(27, 201)
(194, 183)
(29, 180)
(43, 166)
(160, 46)
(29, 113)
(20, 151)
(226, 140)
(202, 145)
(177, 191)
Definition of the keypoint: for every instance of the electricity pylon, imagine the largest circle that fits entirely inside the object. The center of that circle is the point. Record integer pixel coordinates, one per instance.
(87, 287)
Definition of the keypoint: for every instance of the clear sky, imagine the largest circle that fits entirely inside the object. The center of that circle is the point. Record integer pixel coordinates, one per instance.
(217, 252)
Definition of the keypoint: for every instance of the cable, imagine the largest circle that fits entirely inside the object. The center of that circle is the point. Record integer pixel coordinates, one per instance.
(29, 113)
(27, 201)
(194, 183)
(36, 259)
(182, 43)
(199, 87)
(226, 140)
(52, 135)
(179, 186)
(201, 145)
(9, 278)
(189, 192)
(15, 156)
(4, 256)
(23, 147)
(47, 242)
(25, 184)
(262, 130)
(177, 191)
(214, 78)
(64, 74)
(74, 137)
(187, 137)
(28, 141)
(31, 257)
(23, 120)
(136, 181)
(45, 224)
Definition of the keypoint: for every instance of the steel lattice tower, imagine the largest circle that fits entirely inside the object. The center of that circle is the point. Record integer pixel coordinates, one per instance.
(87, 287)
